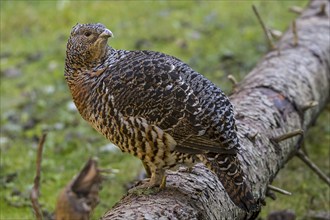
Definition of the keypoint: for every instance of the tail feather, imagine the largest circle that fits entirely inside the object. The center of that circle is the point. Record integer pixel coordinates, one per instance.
(228, 169)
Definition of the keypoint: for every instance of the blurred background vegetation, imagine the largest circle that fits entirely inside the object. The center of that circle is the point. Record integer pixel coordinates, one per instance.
(216, 38)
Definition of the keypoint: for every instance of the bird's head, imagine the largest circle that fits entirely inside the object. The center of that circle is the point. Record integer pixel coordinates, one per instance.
(87, 44)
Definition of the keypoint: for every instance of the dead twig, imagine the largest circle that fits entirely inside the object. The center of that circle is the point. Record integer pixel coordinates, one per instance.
(287, 135)
(322, 10)
(268, 38)
(295, 34)
(233, 80)
(34, 196)
(309, 105)
(313, 166)
(279, 190)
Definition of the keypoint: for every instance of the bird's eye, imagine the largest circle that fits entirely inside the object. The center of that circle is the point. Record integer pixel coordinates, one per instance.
(87, 34)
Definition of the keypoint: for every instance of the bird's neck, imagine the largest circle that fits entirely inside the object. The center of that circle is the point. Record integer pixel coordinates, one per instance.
(83, 78)
(80, 81)
(113, 56)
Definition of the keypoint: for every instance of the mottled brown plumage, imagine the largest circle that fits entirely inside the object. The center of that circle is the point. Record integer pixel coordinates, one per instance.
(156, 108)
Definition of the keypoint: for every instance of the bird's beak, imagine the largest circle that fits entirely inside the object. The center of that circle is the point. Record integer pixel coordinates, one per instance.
(106, 33)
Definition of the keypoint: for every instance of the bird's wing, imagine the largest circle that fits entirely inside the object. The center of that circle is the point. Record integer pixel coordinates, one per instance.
(150, 86)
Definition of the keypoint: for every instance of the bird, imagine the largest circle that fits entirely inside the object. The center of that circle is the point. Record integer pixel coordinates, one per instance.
(155, 107)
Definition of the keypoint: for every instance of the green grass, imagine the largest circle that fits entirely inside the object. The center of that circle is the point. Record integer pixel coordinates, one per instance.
(216, 38)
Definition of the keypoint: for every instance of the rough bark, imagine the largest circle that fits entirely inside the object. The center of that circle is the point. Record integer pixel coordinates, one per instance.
(269, 102)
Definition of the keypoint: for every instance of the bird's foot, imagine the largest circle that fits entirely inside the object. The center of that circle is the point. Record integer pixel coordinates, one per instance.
(144, 188)
(148, 186)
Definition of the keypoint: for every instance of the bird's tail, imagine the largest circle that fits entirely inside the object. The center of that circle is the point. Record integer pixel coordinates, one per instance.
(227, 168)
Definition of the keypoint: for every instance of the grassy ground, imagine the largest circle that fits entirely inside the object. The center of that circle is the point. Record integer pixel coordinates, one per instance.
(216, 38)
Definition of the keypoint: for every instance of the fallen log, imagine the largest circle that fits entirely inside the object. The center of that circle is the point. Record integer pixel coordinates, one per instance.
(275, 103)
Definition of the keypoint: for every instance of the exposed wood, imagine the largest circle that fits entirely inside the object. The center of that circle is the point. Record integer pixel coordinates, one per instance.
(80, 196)
(268, 103)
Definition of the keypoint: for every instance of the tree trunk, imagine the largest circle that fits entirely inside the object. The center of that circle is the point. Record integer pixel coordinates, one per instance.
(270, 102)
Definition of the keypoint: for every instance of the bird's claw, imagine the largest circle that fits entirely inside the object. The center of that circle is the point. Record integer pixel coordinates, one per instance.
(147, 187)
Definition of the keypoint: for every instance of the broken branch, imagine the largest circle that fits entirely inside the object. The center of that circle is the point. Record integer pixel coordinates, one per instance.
(313, 166)
(287, 135)
(309, 105)
(34, 196)
(279, 190)
(233, 80)
(295, 34)
(268, 38)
